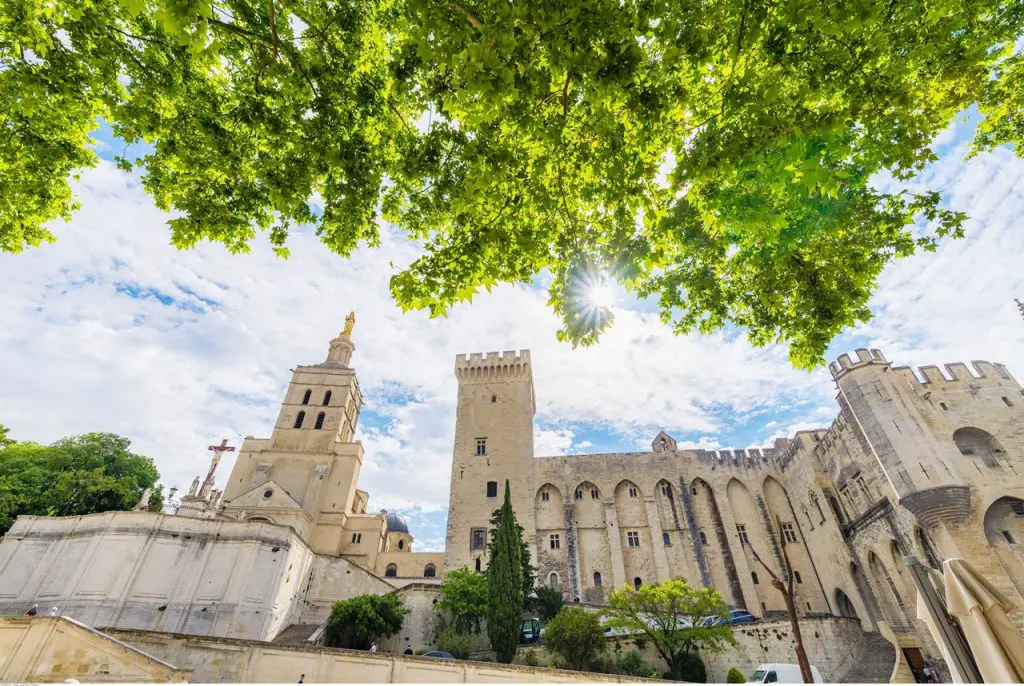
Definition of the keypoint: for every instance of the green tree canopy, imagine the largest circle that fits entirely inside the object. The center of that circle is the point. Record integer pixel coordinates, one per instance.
(548, 602)
(576, 636)
(669, 615)
(505, 584)
(715, 155)
(464, 600)
(95, 472)
(357, 622)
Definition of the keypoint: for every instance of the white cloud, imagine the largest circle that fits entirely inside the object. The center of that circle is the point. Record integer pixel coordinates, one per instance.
(79, 353)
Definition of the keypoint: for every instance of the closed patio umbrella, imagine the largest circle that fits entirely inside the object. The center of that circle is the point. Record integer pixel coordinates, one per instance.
(981, 611)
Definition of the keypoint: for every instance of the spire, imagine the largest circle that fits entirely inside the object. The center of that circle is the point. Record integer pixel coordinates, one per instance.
(342, 347)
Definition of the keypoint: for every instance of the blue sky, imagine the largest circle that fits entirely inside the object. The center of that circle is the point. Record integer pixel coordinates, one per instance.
(112, 329)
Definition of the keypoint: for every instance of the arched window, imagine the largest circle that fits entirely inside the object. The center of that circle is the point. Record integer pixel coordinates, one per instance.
(753, 575)
(478, 564)
(665, 538)
(637, 583)
(975, 442)
(553, 580)
(844, 606)
(319, 421)
(392, 570)
(429, 571)
(301, 417)
(578, 495)
(306, 395)
(594, 493)
(401, 545)
(597, 578)
(327, 398)
(703, 538)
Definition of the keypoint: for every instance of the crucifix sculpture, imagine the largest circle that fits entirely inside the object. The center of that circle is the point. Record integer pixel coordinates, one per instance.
(217, 451)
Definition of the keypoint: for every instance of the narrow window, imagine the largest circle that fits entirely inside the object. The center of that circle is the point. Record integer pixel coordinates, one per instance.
(808, 606)
(1007, 401)
(401, 545)
(694, 490)
(666, 490)
(637, 582)
(741, 529)
(594, 494)
(943, 406)
(492, 489)
(478, 539)
(796, 575)
(494, 398)
(306, 395)
(665, 538)
(1009, 537)
(764, 608)
(789, 533)
(553, 580)
(357, 538)
(299, 418)
(632, 492)
(597, 578)
(327, 398)
(633, 539)
(478, 564)
(545, 496)
(554, 542)
(481, 446)
(319, 421)
(578, 495)
(392, 570)
(753, 575)
(430, 571)
(703, 538)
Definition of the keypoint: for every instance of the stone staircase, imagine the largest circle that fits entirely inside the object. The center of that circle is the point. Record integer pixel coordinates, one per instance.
(295, 635)
(875, 664)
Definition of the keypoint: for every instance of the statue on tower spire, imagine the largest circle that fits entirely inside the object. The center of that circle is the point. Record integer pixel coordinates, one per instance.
(1020, 306)
(350, 323)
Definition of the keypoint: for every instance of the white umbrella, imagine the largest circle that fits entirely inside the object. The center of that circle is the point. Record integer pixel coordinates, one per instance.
(981, 610)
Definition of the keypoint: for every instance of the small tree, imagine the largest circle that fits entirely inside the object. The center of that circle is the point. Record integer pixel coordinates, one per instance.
(464, 599)
(693, 669)
(669, 615)
(789, 595)
(735, 676)
(576, 636)
(548, 601)
(505, 584)
(357, 622)
(451, 641)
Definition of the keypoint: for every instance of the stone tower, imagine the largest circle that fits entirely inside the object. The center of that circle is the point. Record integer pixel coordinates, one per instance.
(493, 442)
(305, 475)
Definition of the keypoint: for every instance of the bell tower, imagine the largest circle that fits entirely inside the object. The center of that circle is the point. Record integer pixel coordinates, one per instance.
(493, 442)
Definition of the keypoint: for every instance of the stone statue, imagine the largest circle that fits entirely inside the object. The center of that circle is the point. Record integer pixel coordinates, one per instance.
(350, 322)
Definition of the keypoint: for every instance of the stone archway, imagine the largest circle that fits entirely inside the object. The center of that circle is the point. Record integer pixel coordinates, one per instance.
(1004, 531)
(844, 606)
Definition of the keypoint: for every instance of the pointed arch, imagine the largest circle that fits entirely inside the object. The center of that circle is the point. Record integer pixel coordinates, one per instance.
(548, 508)
(299, 418)
(751, 535)
(974, 442)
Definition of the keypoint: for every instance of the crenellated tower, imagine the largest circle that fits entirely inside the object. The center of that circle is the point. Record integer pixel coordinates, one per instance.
(493, 442)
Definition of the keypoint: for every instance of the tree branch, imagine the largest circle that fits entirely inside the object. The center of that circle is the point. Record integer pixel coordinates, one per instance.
(473, 21)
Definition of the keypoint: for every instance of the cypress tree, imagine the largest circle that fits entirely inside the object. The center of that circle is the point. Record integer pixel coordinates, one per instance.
(505, 584)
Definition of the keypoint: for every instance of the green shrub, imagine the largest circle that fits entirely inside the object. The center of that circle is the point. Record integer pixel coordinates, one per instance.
(576, 636)
(357, 622)
(547, 601)
(632, 664)
(530, 659)
(451, 641)
(693, 669)
(735, 676)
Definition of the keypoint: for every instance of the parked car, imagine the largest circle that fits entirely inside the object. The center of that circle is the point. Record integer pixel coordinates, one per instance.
(741, 617)
(783, 674)
(439, 655)
(530, 631)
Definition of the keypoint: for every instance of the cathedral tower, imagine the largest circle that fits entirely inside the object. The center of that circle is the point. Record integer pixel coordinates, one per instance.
(493, 442)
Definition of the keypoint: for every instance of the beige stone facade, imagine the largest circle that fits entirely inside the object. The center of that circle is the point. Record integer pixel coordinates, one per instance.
(920, 463)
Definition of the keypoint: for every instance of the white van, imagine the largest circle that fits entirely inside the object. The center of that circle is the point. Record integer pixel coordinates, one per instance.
(783, 674)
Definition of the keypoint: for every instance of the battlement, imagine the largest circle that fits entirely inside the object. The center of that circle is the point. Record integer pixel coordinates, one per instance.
(864, 357)
(492, 365)
(951, 374)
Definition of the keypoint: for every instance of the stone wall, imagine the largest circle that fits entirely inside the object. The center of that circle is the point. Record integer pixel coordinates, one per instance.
(53, 649)
(142, 570)
(227, 661)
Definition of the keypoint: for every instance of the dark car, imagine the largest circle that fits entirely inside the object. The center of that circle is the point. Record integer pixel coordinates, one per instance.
(439, 654)
(741, 617)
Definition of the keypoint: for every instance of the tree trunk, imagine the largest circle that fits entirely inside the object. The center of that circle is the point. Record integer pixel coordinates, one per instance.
(801, 654)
